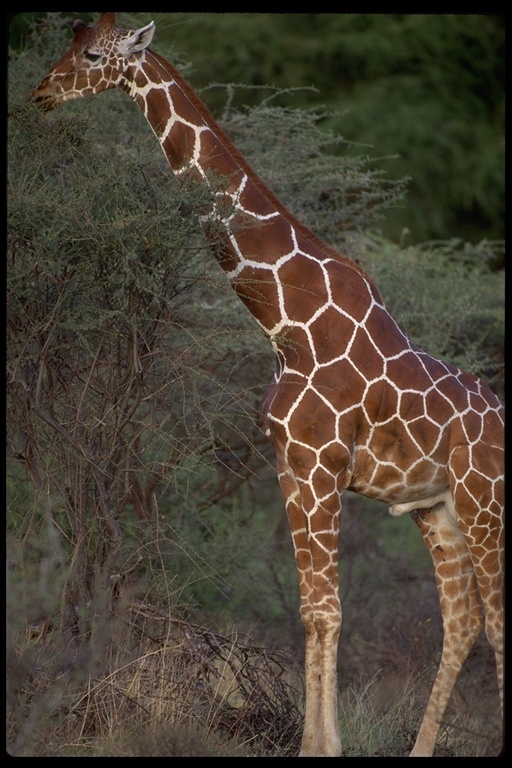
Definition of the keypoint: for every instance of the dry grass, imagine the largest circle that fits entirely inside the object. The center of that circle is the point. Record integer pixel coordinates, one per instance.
(158, 685)
(171, 688)
(379, 717)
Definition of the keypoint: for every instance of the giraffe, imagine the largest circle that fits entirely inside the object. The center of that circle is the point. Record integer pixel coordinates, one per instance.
(353, 405)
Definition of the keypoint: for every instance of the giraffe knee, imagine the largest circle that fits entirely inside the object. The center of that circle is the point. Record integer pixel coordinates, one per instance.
(321, 624)
(327, 625)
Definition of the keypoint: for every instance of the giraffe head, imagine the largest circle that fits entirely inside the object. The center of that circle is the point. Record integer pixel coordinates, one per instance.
(96, 60)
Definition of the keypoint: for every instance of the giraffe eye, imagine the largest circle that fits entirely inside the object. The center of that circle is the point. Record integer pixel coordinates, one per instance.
(92, 56)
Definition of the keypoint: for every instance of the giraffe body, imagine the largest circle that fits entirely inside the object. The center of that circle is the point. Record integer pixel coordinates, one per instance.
(353, 405)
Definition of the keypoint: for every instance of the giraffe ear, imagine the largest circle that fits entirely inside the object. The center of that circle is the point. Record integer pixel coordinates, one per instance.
(138, 40)
(79, 30)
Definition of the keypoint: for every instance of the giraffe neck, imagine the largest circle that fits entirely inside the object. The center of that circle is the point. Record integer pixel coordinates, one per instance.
(252, 235)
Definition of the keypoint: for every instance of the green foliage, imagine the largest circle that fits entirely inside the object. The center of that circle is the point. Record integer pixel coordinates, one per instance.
(445, 297)
(312, 170)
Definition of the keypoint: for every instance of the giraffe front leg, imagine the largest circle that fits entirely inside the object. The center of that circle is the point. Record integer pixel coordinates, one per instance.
(315, 530)
(311, 735)
(321, 736)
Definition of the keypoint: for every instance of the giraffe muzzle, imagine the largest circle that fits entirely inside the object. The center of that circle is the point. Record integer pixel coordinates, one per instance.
(44, 95)
(46, 103)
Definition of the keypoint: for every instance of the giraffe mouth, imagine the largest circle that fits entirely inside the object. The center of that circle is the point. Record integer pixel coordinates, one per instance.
(46, 103)
(44, 96)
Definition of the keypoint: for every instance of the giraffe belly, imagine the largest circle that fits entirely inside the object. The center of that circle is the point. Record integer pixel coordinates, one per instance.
(398, 482)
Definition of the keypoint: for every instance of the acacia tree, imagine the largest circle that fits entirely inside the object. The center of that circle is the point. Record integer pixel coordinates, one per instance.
(109, 375)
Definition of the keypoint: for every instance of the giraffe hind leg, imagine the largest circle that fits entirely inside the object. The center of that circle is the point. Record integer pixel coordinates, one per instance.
(460, 607)
(483, 526)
